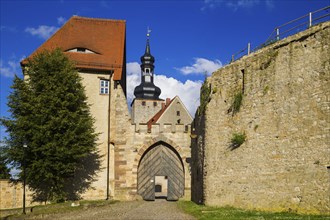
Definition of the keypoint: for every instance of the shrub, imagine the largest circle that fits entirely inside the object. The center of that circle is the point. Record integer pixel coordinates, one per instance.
(204, 97)
(237, 102)
(237, 140)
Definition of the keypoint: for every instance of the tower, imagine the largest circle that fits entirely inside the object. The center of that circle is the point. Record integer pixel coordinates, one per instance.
(147, 102)
(147, 89)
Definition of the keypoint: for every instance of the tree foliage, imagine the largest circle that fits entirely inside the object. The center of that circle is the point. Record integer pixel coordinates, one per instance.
(4, 170)
(49, 112)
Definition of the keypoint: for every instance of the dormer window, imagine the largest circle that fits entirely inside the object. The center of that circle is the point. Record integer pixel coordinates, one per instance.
(80, 50)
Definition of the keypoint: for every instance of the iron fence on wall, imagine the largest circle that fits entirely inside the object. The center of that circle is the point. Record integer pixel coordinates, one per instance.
(290, 28)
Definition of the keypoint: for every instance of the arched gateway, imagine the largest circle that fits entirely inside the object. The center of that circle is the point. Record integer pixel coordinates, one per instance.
(161, 173)
(162, 129)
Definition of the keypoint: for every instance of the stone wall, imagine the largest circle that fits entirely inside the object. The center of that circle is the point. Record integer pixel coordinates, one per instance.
(143, 110)
(138, 140)
(11, 195)
(99, 107)
(283, 165)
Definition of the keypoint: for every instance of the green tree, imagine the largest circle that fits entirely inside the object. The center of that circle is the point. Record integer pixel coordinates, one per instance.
(4, 170)
(49, 112)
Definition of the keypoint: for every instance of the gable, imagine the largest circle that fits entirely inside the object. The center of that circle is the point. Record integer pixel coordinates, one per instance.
(176, 113)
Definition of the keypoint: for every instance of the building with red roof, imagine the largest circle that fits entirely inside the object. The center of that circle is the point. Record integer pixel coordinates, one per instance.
(156, 131)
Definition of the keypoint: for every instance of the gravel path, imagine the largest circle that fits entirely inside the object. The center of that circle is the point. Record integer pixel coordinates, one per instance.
(133, 210)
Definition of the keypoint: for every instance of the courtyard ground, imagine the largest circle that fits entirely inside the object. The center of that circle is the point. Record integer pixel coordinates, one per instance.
(143, 210)
(132, 210)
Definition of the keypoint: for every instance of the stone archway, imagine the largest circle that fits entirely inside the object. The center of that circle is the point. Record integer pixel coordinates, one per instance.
(161, 160)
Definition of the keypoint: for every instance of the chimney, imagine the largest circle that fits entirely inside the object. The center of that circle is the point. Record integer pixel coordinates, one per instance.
(168, 100)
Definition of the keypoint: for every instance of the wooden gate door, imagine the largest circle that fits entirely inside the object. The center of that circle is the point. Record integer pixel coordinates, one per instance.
(160, 160)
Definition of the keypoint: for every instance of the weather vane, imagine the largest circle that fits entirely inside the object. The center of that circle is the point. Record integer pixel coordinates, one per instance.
(148, 32)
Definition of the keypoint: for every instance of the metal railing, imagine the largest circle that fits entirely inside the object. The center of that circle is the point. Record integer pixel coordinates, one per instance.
(292, 27)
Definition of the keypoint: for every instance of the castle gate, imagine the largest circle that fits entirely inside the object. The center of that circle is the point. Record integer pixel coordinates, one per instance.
(161, 173)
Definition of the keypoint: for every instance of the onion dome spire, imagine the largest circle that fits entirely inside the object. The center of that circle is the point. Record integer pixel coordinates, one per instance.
(147, 89)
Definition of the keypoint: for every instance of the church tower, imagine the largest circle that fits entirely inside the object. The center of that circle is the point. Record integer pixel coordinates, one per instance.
(147, 102)
(147, 89)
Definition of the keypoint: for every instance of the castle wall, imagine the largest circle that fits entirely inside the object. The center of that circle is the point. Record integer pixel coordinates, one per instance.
(120, 131)
(11, 195)
(99, 104)
(143, 110)
(138, 141)
(284, 163)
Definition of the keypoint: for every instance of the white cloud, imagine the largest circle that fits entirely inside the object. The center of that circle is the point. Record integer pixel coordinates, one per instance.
(61, 20)
(235, 4)
(133, 68)
(133, 79)
(187, 91)
(270, 4)
(242, 4)
(201, 66)
(43, 31)
(211, 4)
(10, 68)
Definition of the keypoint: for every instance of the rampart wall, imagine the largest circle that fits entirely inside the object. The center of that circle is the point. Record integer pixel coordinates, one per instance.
(284, 163)
(11, 195)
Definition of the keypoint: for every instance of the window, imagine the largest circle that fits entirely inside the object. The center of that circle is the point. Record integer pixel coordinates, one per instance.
(158, 188)
(177, 113)
(104, 86)
(147, 79)
(81, 50)
(155, 103)
(143, 103)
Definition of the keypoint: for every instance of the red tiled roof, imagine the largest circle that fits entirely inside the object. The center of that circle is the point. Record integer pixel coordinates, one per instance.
(155, 118)
(105, 37)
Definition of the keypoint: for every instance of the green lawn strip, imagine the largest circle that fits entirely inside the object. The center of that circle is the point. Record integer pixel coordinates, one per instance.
(226, 213)
(58, 208)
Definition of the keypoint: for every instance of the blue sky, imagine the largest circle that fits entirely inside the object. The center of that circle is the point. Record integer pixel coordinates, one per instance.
(188, 38)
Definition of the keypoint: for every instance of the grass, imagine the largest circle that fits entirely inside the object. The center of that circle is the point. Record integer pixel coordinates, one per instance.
(52, 209)
(202, 212)
(236, 105)
(237, 140)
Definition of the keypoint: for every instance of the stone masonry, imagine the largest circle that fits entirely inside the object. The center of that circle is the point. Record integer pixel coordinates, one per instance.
(284, 163)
